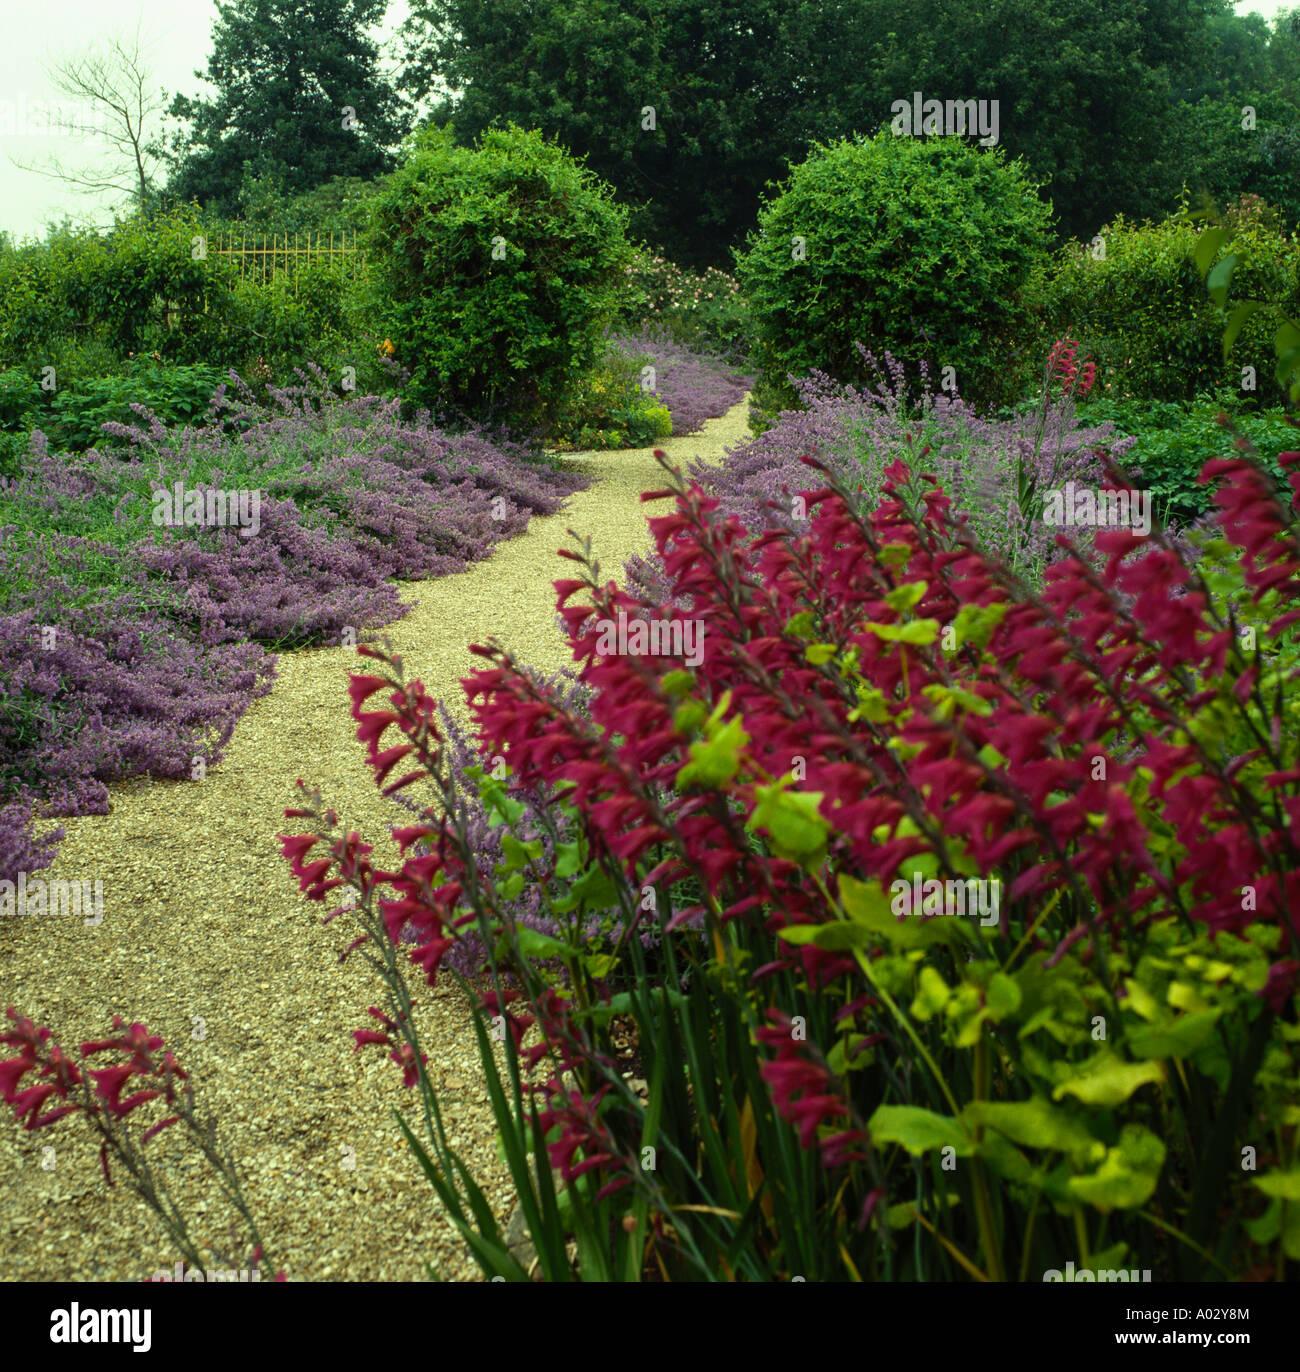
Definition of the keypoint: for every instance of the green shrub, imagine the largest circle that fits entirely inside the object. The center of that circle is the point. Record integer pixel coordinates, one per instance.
(499, 269)
(72, 419)
(19, 395)
(292, 318)
(114, 292)
(1174, 441)
(608, 409)
(1143, 313)
(931, 250)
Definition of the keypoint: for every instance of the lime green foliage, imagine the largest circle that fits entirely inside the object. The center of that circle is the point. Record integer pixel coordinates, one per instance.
(932, 250)
(1143, 313)
(607, 408)
(498, 270)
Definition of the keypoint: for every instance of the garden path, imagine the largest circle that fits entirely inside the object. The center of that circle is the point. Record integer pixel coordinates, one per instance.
(205, 938)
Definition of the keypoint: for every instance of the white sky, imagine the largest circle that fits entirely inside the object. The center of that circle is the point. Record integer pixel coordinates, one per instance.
(177, 39)
(177, 34)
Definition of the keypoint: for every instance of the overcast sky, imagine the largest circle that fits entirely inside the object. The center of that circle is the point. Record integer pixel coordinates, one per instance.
(177, 38)
(177, 34)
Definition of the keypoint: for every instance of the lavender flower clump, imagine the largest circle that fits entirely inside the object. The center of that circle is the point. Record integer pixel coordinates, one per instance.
(997, 471)
(129, 646)
(694, 387)
(20, 850)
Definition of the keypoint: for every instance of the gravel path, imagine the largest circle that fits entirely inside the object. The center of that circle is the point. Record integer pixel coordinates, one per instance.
(205, 938)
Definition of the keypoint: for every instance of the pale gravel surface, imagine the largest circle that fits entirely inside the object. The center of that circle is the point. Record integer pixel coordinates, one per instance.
(206, 939)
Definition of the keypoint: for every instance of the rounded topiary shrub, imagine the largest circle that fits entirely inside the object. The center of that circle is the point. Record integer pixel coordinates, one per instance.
(1137, 304)
(932, 250)
(498, 269)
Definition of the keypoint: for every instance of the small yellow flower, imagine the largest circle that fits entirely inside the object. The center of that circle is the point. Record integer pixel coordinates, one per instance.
(386, 347)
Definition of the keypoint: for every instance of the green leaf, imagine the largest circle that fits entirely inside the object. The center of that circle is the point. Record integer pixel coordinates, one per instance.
(519, 854)
(1001, 996)
(1286, 337)
(715, 760)
(1236, 320)
(512, 886)
(1267, 1227)
(872, 706)
(847, 1054)
(677, 683)
(537, 945)
(894, 555)
(1127, 1177)
(1181, 1039)
(594, 888)
(1219, 278)
(689, 716)
(1207, 247)
(990, 757)
(1140, 1000)
(1034, 1123)
(976, 623)
(948, 698)
(903, 1215)
(1107, 1080)
(918, 1130)
(819, 653)
(866, 904)
(568, 858)
(839, 937)
(1286, 364)
(919, 631)
(933, 994)
(791, 820)
(904, 597)
(1283, 1185)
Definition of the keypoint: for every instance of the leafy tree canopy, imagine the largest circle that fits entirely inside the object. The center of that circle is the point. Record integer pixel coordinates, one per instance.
(299, 100)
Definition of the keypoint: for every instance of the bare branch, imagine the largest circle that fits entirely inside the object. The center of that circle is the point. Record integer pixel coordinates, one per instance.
(116, 83)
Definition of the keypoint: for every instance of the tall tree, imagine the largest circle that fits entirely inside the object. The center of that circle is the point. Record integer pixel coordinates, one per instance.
(741, 88)
(1083, 86)
(686, 106)
(300, 99)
